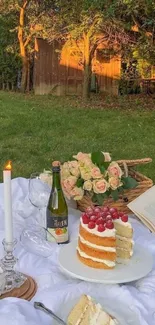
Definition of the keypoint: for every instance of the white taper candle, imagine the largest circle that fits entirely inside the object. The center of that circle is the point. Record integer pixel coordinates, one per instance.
(8, 203)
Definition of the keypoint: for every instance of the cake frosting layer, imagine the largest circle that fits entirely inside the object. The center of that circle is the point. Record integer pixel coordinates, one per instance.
(93, 252)
(129, 240)
(107, 262)
(125, 224)
(106, 233)
(99, 247)
(122, 230)
(97, 240)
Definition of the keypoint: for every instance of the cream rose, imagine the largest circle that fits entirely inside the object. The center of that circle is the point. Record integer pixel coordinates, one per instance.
(87, 185)
(74, 168)
(85, 173)
(114, 183)
(107, 156)
(77, 193)
(114, 170)
(65, 173)
(100, 186)
(73, 164)
(96, 173)
(75, 172)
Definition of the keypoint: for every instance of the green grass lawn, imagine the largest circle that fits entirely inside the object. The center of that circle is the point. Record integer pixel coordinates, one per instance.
(36, 130)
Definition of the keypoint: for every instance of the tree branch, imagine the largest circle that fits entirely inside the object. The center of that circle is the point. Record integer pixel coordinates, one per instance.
(28, 39)
(92, 26)
(25, 4)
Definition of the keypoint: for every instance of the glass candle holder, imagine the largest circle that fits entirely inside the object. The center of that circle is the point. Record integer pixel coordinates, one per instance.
(13, 279)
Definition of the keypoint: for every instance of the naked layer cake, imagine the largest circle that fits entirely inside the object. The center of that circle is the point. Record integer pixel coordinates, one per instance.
(105, 237)
(87, 312)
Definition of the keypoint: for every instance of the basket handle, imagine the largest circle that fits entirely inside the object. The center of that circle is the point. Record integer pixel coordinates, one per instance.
(126, 171)
(135, 162)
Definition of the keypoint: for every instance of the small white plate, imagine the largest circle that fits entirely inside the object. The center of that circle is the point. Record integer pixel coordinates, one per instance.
(139, 266)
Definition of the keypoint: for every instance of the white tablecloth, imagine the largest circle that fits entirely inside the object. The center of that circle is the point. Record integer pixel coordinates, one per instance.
(54, 287)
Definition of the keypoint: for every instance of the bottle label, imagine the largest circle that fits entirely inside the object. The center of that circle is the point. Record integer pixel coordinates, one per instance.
(58, 228)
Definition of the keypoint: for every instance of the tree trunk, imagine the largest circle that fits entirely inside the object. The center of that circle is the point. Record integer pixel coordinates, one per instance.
(87, 67)
(24, 74)
(22, 47)
(28, 76)
(87, 81)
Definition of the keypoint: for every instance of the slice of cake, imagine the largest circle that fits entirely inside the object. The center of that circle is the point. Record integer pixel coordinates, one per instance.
(124, 237)
(105, 237)
(87, 312)
(97, 240)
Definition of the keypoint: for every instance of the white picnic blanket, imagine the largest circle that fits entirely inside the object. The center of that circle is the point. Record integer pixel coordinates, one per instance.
(55, 289)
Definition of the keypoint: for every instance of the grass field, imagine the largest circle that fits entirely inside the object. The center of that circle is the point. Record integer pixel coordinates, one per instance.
(36, 130)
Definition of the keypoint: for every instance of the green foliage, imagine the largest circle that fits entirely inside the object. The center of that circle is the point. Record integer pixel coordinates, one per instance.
(79, 182)
(129, 182)
(36, 16)
(97, 158)
(115, 195)
(142, 15)
(9, 59)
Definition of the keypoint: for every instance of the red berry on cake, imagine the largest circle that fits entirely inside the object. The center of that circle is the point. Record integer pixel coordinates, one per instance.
(101, 228)
(121, 214)
(115, 215)
(109, 217)
(105, 209)
(112, 210)
(91, 225)
(89, 211)
(103, 214)
(97, 210)
(124, 218)
(93, 218)
(109, 224)
(100, 221)
(97, 214)
(85, 219)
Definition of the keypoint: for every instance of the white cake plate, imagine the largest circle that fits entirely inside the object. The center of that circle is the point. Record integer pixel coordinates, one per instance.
(139, 266)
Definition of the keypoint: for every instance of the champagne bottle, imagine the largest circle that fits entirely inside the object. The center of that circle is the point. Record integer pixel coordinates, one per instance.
(57, 210)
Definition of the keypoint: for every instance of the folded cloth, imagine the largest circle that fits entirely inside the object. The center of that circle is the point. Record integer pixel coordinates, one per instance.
(134, 301)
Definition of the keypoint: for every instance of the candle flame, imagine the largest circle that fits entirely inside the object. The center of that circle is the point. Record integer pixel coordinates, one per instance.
(8, 165)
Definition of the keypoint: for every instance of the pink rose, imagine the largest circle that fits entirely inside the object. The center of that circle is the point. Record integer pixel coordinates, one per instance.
(82, 156)
(114, 183)
(68, 184)
(96, 173)
(114, 170)
(77, 193)
(100, 186)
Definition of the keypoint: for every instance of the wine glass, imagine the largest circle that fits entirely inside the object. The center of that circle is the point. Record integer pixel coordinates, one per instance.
(39, 192)
(34, 240)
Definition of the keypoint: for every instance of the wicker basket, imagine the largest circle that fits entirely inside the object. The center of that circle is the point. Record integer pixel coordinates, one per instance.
(144, 183)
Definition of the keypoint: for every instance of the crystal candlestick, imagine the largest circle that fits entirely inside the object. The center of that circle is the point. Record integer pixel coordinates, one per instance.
(13, 278)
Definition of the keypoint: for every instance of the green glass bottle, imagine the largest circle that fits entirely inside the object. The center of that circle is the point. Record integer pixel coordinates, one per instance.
(57, 210)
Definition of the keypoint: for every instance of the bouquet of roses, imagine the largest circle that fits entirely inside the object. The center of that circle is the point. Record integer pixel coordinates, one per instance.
(95, 175)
